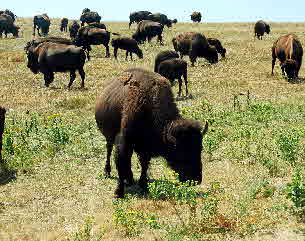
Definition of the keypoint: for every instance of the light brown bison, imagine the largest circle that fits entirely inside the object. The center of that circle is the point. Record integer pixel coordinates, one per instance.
(196, 17)
(164, 55)
(73, 29)
(7, 26)
(2, 121)
(128, 44)
(49, 57)
(41, 22)
(136, 17)
(137, 112)
(260, 29)
(64, 25)
(217, 44)
(146, 30)
(288, 49)
(195, 45)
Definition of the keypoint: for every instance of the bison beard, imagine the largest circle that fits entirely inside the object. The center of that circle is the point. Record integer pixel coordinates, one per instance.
(137, 109)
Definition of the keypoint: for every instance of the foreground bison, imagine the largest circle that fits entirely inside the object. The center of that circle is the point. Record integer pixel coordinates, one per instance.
(64, 25)
(260, 29)
(49, 57)
(90, 17)
(196, 17)
(73, 29)
(164, 55)
(137, 111)
(288, 49)
(195, 45)
(2, 121)
(41, 22)
(7, 26)
(128, 44)
(147, 30)
(136, 17)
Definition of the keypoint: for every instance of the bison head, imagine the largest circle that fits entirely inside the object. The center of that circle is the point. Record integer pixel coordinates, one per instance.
(15, 31)
(267, 28)
(223, 52)
(212, 55)
(184, 139)
(139, 53)
(32, 59)
(290, 67)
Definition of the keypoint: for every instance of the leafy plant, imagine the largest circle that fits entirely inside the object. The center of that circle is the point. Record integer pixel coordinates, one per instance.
(289, 146)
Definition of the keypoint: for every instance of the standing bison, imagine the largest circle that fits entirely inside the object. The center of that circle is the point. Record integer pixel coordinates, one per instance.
(73, 29)
(164, 55)
(64, 25)
(288, 49)
(10, 13)
(196, 17)
(128, 44)
(50, 57)
(136, 17)
(147, 30)
(7, 26)
(137, 111)
(90, 17)
(260, 29)
(41, 22)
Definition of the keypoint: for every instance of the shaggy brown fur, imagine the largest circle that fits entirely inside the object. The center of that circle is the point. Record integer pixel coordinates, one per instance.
(2, 121)
(73, 29)
(288, 49)
(260, 29)
(147, 30)
(7, 26)
(128, 44)
(174, 69)
(49, 57)
(64, 25)
(164, 55)
(196, 17)
(137, 109)
(217, 44)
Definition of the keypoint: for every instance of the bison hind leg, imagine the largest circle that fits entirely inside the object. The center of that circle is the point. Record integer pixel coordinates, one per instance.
(72, 78)
(82, 75)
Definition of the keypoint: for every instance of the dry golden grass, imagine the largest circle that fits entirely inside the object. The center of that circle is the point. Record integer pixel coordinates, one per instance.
(52, 199)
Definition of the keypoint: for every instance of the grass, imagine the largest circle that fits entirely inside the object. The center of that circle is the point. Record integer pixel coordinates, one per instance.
(251, 152)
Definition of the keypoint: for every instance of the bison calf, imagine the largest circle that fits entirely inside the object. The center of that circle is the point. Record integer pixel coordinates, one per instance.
(137, 112)
(128, 44)
(174, 69)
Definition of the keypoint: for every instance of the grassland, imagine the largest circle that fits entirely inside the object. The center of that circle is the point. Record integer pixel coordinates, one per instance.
(251, 152)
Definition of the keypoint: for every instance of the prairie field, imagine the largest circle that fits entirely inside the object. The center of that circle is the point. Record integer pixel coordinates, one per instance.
(52, 181)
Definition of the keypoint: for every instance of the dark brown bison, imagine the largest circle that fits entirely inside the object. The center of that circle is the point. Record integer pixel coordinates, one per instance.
(147, 30)
(64, 25)
(288, 49)
(164, 55)
(260, 29)
(196, 17)
(174, 69)
(137, 112)
(98, 25)
(73, 29)
(86, 10)
(49, 57)
(195, 45)
(7, 26)
(41, 22)
(136, 17)
(90, 17)
(2, 122)
(37, 41)
(160, 18)
(128, 44)
(217, 44)
(8, 12)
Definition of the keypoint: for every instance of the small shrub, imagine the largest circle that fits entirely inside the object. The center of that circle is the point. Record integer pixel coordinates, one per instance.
(289, 146)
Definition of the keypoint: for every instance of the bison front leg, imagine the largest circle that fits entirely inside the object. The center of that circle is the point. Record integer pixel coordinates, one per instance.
(144, 161)
(115, 53)
(160, 39)
(180, 86)
(72, 78)
(126, 55)
(82, 75)
(48, 79)
(109, 146)
(107, 51)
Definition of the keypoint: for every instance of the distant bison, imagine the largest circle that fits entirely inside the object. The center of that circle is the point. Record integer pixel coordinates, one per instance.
(41, 22)
(260, 28)
(7, 26)
(217, 44)
(136, 17)
(289, 51)
(164, 55)
(137, 112)
(49, 57)
(128, 44)
(196, 17)
(64, 25)
(160, 18)
(8, 12)
(195, 45)
(174, 69)
(73, 29)
(90, 17)
(2, 122)
(147, 30)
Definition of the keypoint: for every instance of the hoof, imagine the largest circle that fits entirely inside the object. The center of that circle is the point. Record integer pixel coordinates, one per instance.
(118, 194)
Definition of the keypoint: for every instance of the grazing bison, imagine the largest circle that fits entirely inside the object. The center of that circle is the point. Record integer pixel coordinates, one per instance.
(288, 49)
(260, 29)
(160, 18)
(147, 30)
(195, 45)
(137, 111)
(49, 57)
(196, 17)
(64, 25)
(8, 12)
(90, 17)
(7, 26)
(2, 122)
(164, 55)
(128, 44)
(73, 29)
(174, 69)
(41, 22)
(136, 17)
(217, 44)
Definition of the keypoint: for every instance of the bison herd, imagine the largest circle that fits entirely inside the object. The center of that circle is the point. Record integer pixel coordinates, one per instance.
(136, 111)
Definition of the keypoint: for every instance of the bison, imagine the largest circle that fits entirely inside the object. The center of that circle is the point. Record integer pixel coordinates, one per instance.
(196, 17)
(174, 69)
(98, 25)
(160, 18)
(50, 57)
(41, 22)
(147, 30)
(73, 29)
(64, 25)
(90, 17)
(164, 55)
(10, 13)
(260, 29)
(195, 45)
(7, 26)
(2, 121)
(136, 17)
(288, 49)
(37, 41)
(128, 44)
(137, 112)
(217, 44)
